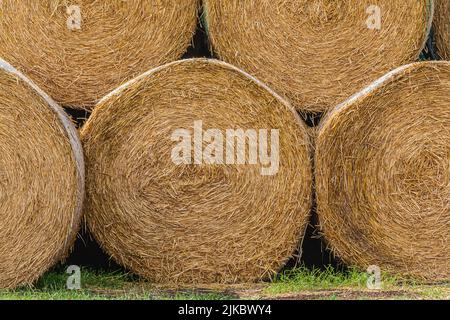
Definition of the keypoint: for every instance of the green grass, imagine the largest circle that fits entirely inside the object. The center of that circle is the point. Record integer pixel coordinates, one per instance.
(97, 285)
(316, 279)
(352, 284)
(300, 283)
(52, 286)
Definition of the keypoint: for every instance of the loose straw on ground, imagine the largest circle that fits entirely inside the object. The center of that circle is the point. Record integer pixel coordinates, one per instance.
(382, 174)
(318, 53)
(180, 223)
(78, 51)
(41, 181)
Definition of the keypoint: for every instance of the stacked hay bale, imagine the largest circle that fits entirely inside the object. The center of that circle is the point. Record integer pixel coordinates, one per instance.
(382, 174)
(41, 181)
(442, 28)
(196, 221)
(318, 53)
(78, 51)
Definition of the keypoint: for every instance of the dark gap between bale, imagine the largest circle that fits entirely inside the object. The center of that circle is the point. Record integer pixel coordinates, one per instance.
(41, 181)
(88, 254)
(194, 224)
(382, 174)
(200, 46)
(311, 119)
(79, 117)
(318, 53)
(442, 28)
(429, 52)
(313, 252)
(78, 51)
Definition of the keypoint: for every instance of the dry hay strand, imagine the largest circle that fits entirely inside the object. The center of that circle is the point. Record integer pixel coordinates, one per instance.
(80, 55)
(442, 28)
(41, 181)
(382, 174)
(317, 53)
(195, 224)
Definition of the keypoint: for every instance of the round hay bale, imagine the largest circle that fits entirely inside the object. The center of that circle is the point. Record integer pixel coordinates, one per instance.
(196, 221)
(317, 53)
(442, 28)
(41, 181)
(382, 174)
(78, 51)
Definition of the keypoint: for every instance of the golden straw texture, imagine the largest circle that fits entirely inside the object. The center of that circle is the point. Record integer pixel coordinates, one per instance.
(41, 181)
(194, 224)
(442, 28)
(78, 51)
(318, 53)
(382, 174)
